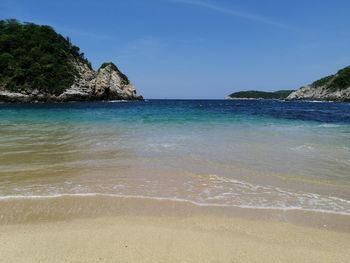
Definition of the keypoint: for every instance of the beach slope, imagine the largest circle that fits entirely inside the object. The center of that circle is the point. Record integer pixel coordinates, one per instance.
(170, 239)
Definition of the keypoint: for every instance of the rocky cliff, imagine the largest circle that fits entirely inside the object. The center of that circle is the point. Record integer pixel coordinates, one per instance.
(321, 94)
(107, 83)
(331, 88)
(39, 65)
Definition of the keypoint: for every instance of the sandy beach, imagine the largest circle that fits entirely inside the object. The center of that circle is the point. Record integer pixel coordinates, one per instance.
(170, 239)
(174, 131)
(174, 181)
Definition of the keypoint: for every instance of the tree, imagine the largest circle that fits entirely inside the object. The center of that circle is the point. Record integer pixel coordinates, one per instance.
(36, 57)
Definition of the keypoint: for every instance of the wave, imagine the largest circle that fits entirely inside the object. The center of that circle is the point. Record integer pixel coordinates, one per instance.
(277, 208)
(329, 125)
(116, 101)
(303, 148)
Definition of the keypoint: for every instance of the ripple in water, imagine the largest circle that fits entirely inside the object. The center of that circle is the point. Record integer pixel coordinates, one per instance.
(256, 154)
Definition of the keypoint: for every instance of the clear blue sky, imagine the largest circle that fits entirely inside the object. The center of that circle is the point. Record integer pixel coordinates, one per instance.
(202, 48)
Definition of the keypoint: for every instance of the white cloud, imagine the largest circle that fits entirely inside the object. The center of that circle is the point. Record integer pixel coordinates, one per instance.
(232, 12)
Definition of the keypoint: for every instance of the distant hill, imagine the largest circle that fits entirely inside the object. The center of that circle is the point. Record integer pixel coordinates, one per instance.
(334, 87)
(255, 94)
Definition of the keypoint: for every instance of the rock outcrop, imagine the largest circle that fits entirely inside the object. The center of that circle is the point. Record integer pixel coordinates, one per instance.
(322, 93)
(331, 88)
(107, 83)
(39, 65)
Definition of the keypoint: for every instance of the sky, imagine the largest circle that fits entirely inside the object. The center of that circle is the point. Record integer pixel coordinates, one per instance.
(202, 49)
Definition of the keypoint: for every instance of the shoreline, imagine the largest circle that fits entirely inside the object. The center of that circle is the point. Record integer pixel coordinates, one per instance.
(62, 208)
(180, 200)
(198, 238)
(293, 100)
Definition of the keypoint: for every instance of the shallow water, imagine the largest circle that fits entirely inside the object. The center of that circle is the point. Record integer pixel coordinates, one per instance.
(250, 154)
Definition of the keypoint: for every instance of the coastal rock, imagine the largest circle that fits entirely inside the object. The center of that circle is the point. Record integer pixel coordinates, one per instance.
(83, 86)
(111, 84)
(322, 93)
(8, 96)
(330, 88)
(39, 65)
(108, 83)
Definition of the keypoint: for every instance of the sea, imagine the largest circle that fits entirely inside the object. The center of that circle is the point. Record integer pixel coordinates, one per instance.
(249, 154)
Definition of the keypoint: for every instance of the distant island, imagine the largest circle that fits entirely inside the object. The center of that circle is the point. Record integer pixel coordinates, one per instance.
(39, 65)
(330, 88)
(255, 94)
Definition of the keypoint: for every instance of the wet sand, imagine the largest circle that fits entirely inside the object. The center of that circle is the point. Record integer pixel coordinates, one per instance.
(170, 239)
(72, 207)
(102, 229)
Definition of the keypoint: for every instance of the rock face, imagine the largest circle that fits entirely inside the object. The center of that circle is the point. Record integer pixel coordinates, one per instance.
(322, 93)
(331, 88)
(108, 83)
(111, 84)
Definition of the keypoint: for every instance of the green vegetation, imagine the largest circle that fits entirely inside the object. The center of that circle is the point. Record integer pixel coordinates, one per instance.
(254, 94)
(339, 81)
(342, 80)
(322, 82)
(36, 57)
(125, 79)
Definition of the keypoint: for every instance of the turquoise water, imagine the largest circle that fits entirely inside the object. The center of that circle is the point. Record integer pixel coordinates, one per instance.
(254, 154)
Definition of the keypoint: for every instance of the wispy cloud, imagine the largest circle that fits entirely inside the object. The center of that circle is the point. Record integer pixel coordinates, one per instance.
(148, 48)
(232, 12)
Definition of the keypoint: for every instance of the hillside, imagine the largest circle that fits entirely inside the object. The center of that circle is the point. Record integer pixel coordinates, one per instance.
(254, 94)
(331, 88)
(38, 64)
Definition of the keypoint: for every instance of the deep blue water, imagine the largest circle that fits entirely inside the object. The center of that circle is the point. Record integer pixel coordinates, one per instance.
(185, 110)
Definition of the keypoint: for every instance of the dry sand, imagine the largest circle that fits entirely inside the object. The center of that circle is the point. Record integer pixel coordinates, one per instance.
(170, 239)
